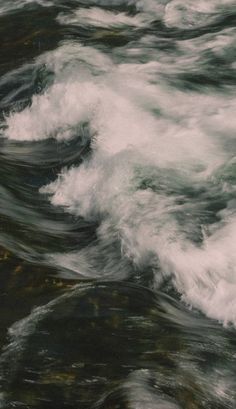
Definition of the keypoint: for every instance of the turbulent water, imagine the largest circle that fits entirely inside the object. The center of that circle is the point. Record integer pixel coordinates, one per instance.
(117, 161)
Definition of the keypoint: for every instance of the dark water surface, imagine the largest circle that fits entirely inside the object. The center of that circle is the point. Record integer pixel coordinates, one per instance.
(117, 204)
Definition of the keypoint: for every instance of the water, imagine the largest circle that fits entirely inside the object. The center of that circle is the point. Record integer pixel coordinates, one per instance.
(117, 204)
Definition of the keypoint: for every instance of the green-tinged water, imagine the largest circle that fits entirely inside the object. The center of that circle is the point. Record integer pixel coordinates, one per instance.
(117, 204)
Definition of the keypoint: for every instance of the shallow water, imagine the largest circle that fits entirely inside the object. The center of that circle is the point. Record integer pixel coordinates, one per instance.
(118, 171)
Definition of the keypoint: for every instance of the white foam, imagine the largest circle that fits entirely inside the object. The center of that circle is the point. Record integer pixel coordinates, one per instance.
(207, 273)
(99, 18)
(151, 143)
(189, 14)
(145, 223)
(147, 11)
(54, 114)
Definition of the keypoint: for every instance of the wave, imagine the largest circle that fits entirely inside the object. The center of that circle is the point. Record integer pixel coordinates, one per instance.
(160, 179)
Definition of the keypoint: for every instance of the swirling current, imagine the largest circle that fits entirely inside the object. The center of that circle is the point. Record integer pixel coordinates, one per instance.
(117, 204)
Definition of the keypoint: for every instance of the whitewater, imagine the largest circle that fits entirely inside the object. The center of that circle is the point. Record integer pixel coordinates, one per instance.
(161, 155)
(148, 86)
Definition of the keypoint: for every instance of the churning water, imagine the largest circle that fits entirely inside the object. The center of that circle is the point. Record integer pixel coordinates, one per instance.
(117, 137)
